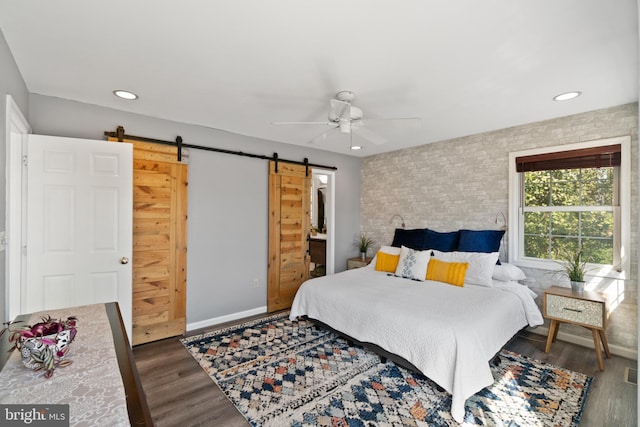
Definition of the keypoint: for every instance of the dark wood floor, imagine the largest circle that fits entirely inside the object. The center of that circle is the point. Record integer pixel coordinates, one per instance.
(181, 394)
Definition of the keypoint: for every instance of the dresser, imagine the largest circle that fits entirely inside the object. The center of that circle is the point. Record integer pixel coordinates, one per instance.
(587, 309)
(108, 320)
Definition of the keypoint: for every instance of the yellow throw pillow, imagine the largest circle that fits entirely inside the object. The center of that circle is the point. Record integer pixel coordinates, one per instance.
(387, 262)
(452, 273)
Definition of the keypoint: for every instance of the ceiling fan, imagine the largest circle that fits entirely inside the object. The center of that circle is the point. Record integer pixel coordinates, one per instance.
(347, 119)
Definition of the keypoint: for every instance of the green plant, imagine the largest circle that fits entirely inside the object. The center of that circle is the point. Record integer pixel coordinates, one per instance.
(573, 266)
(363, 242)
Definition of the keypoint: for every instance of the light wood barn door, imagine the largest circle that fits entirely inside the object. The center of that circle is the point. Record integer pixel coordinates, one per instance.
(159, 242)
(289, 207)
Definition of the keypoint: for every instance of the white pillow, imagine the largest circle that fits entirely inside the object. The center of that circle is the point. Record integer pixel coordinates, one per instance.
(481, 265)
(506, 272)
(391, 250)
(413, 264)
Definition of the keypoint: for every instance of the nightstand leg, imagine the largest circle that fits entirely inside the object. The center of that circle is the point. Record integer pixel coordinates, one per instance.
(604, 343)
(596, 343)
(553, 329)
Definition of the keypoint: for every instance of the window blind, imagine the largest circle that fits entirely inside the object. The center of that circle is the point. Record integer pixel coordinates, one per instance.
(594, 157)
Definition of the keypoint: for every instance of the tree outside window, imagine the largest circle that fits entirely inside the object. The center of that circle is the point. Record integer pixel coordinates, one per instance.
(565, 209)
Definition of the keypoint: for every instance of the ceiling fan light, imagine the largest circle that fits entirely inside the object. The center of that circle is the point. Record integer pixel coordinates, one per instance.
(356, 147)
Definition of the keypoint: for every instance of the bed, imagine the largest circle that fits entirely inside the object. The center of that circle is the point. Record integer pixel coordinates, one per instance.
(450, 333)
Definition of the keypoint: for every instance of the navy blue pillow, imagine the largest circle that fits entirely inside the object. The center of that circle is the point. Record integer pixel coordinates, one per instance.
(444, 242)
(409, 238)
(480, 240)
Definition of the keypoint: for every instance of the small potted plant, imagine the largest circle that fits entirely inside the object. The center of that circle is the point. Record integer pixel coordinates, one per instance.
(575, 269)
(363, 243)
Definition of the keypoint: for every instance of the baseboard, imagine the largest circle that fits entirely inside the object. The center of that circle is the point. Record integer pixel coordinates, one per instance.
(587, 342)
(226, 318)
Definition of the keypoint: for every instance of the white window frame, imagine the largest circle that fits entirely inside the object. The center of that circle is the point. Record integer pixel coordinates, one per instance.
(516, 215)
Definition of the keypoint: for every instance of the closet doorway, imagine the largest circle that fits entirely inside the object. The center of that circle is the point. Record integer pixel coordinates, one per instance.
(322, 211)
(68, 221)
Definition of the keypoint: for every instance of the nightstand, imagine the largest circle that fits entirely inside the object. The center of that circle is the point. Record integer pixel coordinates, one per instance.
(587, 309)
(357, 262)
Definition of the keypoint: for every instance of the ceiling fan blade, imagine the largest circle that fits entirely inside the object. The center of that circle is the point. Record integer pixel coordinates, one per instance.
(405, 122)
(303, 123)
(369, 135)
(322, 136)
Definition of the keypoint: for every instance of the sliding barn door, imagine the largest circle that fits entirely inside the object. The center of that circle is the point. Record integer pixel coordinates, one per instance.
(289, 206)
(159, 242)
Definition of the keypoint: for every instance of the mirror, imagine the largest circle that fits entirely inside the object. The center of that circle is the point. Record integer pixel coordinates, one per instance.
(318, 202)
(320, 197)
(318, 238)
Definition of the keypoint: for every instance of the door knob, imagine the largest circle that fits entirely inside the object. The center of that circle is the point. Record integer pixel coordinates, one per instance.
(124, 260)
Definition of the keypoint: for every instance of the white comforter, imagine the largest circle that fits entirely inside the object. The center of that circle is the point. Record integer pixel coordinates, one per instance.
(450, 333)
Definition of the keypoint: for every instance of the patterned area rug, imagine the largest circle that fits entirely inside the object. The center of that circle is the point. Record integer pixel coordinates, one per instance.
(279, 372)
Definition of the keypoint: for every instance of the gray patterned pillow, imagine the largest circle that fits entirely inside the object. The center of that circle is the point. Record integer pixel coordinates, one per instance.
(413, 264)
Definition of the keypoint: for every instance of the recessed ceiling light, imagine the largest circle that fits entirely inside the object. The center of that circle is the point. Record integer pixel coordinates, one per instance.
(125, 94)
(356, 147)
(567, 96)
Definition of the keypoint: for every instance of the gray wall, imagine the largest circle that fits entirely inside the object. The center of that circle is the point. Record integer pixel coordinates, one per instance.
(11, 83)
(463, 183)
(228, 200)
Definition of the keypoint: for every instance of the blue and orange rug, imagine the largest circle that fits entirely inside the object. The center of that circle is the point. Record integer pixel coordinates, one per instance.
(279, 372)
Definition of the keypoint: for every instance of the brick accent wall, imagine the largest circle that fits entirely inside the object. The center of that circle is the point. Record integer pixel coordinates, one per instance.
(463, 183)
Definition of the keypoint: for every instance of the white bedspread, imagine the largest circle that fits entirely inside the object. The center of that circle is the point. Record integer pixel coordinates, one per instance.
(449, 333)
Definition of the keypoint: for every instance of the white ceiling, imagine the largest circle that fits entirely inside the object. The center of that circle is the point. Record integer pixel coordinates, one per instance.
(462, 66)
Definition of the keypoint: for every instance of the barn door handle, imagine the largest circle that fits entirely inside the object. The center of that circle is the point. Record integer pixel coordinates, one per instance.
(124, 260)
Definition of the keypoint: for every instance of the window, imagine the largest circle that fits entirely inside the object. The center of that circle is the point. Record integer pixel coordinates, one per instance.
(570, 197)
(570, 208)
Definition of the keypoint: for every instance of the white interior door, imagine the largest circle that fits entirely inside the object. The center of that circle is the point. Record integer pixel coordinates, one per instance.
(78, 224)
